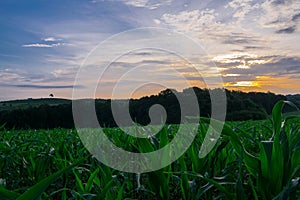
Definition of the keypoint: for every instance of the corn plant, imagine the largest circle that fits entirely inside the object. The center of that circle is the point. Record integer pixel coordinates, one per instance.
(276, 167)
(251, 160)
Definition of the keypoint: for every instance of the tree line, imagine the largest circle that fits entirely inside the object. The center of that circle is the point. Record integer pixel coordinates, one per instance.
(240, 106)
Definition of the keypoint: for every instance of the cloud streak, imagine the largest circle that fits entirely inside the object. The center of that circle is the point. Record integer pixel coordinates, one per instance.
(149, 4)
(290, 29)
(41, 45)
(46, 86)
(51, 39)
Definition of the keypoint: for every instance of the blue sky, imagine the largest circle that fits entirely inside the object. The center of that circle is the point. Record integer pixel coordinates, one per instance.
(254, 45)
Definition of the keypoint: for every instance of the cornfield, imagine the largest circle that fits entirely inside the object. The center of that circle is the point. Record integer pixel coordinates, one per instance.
(251, 160)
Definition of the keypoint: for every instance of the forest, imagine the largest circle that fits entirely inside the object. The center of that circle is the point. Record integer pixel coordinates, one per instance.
(57, 113)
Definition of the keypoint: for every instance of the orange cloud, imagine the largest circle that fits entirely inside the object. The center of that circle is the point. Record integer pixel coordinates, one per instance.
(283, 84)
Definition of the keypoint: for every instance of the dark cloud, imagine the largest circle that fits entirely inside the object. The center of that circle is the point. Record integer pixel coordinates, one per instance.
(278, 2)
(278, 66)
(296, 17)
(296, 76)
(239, 38)
(121, 65)
(237, 60)
(186, 69)
(46, 86)
(288, 30)
(237, 50)
(254, 47)
(238, 71)
(128, 65)
(289, 65)
(143, 54)
(159, 62)
(242, 77)
(246, 48)
(227, 65)
(194, 78)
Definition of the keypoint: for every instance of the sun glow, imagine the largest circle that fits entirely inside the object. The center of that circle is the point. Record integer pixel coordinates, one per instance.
(242, 84)
(240, 60)
(233, 58)
(246, 84)
(232, 75)
(243, 66)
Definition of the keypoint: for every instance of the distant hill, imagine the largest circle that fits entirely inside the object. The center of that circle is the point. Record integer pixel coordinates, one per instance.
(53, 112)
(31, 103)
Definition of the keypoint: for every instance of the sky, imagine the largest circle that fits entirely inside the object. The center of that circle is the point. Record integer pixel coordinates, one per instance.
(132, 48)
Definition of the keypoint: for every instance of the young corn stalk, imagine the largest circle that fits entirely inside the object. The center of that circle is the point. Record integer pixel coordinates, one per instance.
(276, 168)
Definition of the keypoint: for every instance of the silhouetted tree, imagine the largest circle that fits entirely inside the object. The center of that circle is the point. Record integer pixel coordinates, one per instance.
(240, 106)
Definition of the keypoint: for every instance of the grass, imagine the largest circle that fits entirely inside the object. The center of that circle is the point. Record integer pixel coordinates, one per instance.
(252, 160)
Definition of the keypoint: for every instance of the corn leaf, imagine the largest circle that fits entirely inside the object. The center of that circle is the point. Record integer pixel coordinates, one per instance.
(7, 194)
(36, 191)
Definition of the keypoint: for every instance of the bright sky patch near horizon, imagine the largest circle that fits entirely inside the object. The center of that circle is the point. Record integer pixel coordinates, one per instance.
(253, 43)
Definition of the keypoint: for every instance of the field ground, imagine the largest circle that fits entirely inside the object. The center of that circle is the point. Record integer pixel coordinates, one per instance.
(252, 160)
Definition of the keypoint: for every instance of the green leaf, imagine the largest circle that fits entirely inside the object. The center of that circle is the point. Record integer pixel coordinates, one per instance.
(145, 145)
(79, 183)
(252, 163)
(163, 138)
(184, 181)
(266, 148)
(213, 182)
(120, 193)
(239, 185)
(104, 192)
(252, 188)
(36, 191)
(159, 183)
(89, 184)
(7, 194)
(2, 126)
(277, 118)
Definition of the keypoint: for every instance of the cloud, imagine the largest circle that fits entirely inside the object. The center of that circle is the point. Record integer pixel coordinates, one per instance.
(296, 17)
(21, 77)
(242, 8)
(130, 65)
(65, 73)
(51, 39)
(136, 3)
(253, 47)
(240, 38)
(37, 45)
(48, 42)
(150, 4)
(8, 75)
(40, 45)
(279, 65)
(290, 29)
(212, 28)
(30, 86)
(46, 86)
(262, 65)
(278, 2)
(280, 14)
(191, 21)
